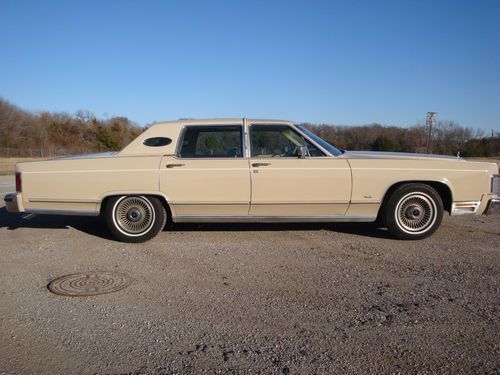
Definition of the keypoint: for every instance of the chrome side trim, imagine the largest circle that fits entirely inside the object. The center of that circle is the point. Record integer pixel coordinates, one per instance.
(309, 203)
(366, 201)
(272, 219)
(52, 200)
(41, 211)
(212, 203)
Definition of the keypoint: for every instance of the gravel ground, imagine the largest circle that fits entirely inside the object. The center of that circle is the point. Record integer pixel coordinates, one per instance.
(7, 184)
(284, 299)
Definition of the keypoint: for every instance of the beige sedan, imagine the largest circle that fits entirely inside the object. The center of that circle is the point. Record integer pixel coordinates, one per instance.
(241, 170)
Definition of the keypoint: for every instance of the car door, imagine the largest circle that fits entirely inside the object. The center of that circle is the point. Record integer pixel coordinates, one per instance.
(318, 185)
(209, 175)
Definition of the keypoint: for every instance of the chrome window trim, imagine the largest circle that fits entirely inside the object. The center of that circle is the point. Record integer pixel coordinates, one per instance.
(328, 153)
(246, 142)
(247, 138)
(183, 130)
(316, 144)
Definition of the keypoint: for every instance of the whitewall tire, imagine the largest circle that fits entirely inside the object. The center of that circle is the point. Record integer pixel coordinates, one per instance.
(135, 218)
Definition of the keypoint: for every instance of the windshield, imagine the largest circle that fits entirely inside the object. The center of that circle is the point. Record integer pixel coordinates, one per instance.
(327, 146)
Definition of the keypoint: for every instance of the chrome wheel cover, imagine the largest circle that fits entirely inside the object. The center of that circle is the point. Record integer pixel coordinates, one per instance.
(134, 215)
(416, 213)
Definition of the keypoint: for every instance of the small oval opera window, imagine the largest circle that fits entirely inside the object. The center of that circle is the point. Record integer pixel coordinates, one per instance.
(157, 141)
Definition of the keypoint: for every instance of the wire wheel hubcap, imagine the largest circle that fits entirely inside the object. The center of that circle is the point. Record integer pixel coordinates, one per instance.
(134, 215)
(416, 212)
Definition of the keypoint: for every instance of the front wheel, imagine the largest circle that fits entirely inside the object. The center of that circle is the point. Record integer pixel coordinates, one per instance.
(413, 211)
(135, 218)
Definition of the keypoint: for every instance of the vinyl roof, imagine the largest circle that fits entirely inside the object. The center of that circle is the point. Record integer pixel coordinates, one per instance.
(222, 121)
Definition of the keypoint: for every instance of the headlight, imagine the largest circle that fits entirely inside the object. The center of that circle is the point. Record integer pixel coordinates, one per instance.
(495, 185)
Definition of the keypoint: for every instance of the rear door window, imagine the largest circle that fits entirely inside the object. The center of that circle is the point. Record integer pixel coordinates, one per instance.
(224, 141)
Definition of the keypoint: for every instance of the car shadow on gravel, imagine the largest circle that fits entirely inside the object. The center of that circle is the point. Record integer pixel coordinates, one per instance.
(361, 229)
(95, 226)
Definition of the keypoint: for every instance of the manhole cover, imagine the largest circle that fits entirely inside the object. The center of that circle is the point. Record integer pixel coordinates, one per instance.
(89, 283)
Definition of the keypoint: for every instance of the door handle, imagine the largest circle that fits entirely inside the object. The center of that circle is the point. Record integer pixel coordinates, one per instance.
(175, 165)
(260, 164)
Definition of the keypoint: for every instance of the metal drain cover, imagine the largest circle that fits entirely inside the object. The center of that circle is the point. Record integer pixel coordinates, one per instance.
(89, 283)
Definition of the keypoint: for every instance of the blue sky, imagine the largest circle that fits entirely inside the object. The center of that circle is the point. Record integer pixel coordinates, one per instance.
(341, 62)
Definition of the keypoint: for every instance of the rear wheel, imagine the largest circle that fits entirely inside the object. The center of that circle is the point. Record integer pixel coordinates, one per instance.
(135, 218)
(413, 211)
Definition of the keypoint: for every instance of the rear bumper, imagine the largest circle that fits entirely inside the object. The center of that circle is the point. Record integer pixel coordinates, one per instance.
(14, 203)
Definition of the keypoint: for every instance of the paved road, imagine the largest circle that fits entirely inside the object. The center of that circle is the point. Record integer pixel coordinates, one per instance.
(268, 298)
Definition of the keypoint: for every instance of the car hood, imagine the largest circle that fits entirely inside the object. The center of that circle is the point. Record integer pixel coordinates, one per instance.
(394, 155)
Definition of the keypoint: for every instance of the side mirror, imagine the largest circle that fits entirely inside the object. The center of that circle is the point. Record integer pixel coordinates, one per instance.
(302, 152)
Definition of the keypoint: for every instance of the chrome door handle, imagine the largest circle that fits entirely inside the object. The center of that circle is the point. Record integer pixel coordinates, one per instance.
(260, 164)
(175, 165)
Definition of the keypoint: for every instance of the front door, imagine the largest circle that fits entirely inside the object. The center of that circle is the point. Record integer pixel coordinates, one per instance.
(285, 185)
(209, 176)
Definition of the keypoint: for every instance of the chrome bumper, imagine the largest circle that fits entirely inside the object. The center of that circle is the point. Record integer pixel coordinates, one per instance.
(14, 203)
(493, 206)
(493, 201)
(488, 205)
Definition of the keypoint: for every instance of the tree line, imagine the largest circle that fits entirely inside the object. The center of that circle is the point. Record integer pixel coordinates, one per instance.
(83, 132)
(447, 138)
(61, 133)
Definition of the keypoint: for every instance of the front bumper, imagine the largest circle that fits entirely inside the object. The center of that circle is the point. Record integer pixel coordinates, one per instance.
(489, 204)
(493, 206)
(14, 203)
(493, 201)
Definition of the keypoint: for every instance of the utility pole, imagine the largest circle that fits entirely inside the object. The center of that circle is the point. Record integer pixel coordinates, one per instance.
(430, 120)
(492, 148)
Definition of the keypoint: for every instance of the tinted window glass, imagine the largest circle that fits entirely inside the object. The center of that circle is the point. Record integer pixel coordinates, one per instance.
(278, 141)
(212, 142)
(157, 141)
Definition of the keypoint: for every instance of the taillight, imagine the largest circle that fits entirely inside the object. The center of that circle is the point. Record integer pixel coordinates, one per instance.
(19, 185)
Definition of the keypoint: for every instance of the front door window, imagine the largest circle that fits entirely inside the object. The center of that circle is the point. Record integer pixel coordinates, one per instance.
(278, 141)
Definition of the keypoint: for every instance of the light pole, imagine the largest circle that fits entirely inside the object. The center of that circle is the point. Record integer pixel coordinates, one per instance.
(430, 120)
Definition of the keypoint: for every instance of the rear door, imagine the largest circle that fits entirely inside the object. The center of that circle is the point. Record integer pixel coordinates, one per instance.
(285, 185)
(209, 175)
